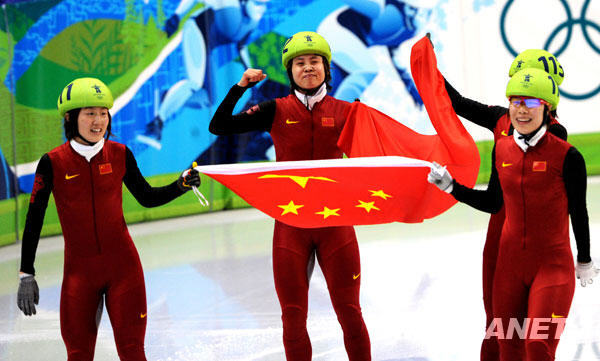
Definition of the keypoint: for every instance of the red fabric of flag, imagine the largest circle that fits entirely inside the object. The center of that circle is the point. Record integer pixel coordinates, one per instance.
(332, 192)
(385, 178)
(369, 132)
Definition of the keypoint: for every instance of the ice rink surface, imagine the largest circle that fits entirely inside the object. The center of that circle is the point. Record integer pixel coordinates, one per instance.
(210, 293)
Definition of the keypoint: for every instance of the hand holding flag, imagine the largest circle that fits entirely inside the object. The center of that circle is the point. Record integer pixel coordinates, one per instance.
(368, 133)
(384, 178)
(440, 177)
(191, 178)
(330, 192)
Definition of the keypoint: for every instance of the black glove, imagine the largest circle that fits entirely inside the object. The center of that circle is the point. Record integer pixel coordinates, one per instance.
(192, 179)
(172, 25)
(28, 295)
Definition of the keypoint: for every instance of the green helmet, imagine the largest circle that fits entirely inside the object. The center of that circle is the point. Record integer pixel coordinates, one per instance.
(540, 59)
(305, 42)
(534, 83)
(84, 92)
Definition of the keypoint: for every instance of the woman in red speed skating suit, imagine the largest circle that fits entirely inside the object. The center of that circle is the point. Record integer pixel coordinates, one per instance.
(541, 181)
(305, 125)
(101, 263)
(496, 119)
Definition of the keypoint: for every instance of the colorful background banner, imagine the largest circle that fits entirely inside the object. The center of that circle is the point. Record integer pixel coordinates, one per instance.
(170, 62)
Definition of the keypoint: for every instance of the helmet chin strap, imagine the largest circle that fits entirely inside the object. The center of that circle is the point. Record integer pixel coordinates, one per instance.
(527, 137)
(77, 134)
(85, 140)
(545, 121)
(309, 92)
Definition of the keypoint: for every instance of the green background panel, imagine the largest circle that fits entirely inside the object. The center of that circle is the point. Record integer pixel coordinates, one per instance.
(222, 198)
(587, 144)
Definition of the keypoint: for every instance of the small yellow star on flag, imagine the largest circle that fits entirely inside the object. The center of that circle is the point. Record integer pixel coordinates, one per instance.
(326, 212)
(380, 193)
(290, 208)
(367, 206)
(300, 180)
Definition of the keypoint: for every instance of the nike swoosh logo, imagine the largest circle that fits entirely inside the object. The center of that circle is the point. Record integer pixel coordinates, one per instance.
(287, 121)
(71, 176)
(356, 276)
(504, 133)
(556, 316)
(506, 164)
(142, 315)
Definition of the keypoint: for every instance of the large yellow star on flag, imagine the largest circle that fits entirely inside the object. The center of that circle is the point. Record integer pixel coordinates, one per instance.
(367, 206)
(301, 180)
(290, 208)
(380, 193)
(326, 212)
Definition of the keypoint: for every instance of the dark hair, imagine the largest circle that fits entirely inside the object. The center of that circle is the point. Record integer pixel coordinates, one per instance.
(70, 123)
(555, 128)
(326, 68)
(71, 128)
(549, 114)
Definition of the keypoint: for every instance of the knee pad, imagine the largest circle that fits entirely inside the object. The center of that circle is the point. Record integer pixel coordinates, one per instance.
(294, 322)
(79, 348)
(80, 356)
(131, 352)
(350, 318)
(490, 350)
(539, 350)
(130, 342)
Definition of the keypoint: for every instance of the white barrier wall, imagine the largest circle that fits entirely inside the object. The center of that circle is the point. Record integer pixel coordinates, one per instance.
(475, 58)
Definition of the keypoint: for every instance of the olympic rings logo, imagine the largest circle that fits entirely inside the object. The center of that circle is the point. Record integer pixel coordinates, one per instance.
(568, 24)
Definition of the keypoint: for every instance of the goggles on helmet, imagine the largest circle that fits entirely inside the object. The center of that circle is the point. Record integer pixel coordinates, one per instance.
(530, 103)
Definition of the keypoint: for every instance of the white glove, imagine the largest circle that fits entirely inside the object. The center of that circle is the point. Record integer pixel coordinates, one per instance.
(440, 177)
(586, 272)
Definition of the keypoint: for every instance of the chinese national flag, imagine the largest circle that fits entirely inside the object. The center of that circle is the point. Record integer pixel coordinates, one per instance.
(332, 192)
(539, 166)
(385, 178)
(369, 132)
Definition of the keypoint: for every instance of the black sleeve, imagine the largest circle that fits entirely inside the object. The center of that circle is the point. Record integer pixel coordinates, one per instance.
(259, 117)
(489, 200)
(480, 114)
(43, 185)
(575, 176)
(145, 194)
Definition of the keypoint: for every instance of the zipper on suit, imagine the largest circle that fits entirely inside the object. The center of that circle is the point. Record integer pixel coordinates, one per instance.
(93, 192)
(524, 205)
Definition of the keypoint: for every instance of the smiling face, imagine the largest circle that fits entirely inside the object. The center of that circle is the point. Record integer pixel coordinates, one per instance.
(92, 124)
(308, 71)
(525, 120)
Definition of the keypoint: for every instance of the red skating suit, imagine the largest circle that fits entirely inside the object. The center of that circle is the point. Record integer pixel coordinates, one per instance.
(489, 347)
(494, 118)
(534, 275)
(300, 134)
(99, 253)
